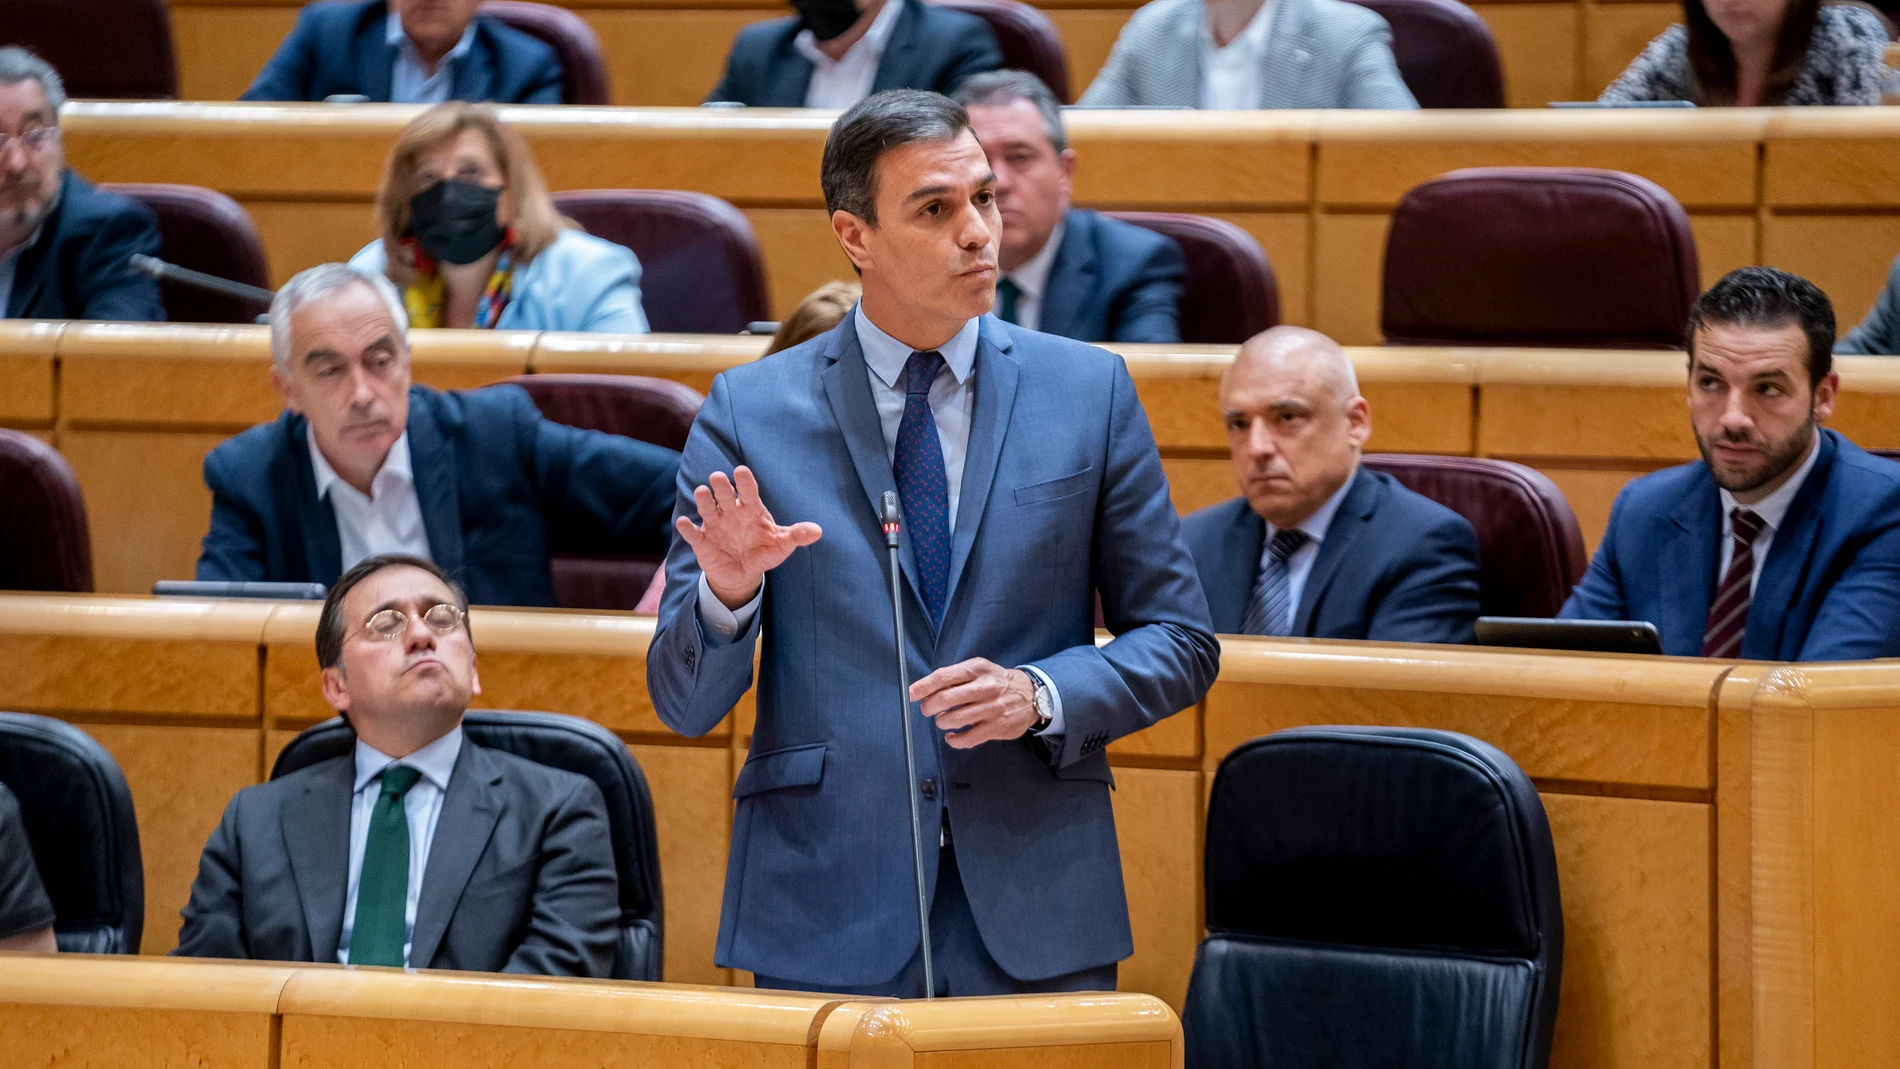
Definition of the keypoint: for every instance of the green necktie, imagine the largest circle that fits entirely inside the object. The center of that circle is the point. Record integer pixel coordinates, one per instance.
(1007, 294)
(382, 888)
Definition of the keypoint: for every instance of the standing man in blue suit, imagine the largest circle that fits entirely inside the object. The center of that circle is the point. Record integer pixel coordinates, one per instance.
(1066, 271)
(1316, 546)
(834, 53)
(408, 52)
(1029, 481)
(1783, 542)
(364, 462)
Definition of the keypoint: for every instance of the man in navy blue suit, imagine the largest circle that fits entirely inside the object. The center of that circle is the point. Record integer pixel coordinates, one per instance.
(362, 462)
(1783, 542)
(408, 52)
(1066, 271)
(1029, 481)
(834, 53)
(1316, 546)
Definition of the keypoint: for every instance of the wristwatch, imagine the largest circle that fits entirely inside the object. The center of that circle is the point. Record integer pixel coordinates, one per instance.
(1045, 704)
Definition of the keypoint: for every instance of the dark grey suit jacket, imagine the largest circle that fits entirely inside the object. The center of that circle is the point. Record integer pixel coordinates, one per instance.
(520, 876)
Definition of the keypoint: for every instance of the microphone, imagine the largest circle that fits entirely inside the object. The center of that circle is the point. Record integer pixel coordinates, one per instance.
(153, 267)
(892, 525)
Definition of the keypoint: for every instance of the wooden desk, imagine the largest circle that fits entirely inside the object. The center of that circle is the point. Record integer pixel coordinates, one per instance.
(1813, 193)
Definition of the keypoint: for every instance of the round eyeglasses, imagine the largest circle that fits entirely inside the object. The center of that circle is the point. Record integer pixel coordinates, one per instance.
(36, 140)
(441, 617)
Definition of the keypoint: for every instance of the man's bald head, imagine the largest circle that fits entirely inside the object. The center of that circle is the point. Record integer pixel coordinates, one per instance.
(1295, 422)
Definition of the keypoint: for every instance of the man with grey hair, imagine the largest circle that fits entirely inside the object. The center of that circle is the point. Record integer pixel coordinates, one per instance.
(363, 461)
(65, 246)
(1067, 271)
(1317, 546)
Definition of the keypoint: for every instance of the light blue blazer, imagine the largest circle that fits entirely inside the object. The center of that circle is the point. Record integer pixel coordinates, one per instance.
(1063, 496)
(580, 282)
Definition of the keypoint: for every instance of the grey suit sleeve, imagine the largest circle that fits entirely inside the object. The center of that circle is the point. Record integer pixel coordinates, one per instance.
(1880, 331)
(214, 917)
(574, 923)
(1436, 599)
(1372, 75)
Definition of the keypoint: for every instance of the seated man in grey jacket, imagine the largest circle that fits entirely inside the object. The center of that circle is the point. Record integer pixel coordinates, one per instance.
(1247, 54)
(420, 848)
(1879, 333)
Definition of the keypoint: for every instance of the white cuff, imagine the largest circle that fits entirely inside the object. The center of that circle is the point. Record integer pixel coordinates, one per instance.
(1054, 730)
(716, 619)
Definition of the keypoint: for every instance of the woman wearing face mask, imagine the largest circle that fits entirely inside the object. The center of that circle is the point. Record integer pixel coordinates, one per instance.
(471, 238)
(1749, 53)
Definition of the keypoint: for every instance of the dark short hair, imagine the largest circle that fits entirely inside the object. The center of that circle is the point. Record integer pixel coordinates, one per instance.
(1766, 297)
(331, 628)
(1007, 87)
(876, 125)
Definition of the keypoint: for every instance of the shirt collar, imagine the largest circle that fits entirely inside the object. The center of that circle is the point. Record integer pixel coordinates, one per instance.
(395, 37)
(395, 467)
(1321, 521)
(1033, 276)
(887, 356)
(1774, 508)
(1252, 36)
(435, 761)
(873, 42)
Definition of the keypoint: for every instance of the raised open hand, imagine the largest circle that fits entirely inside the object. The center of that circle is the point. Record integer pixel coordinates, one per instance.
(736, 540)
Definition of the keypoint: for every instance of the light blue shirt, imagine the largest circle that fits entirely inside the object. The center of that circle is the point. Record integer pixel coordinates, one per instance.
(423, 805)
(409, 83)
(1300, 564)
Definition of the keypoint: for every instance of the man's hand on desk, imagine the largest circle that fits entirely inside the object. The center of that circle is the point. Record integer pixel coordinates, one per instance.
(977, 701)
(736, 540)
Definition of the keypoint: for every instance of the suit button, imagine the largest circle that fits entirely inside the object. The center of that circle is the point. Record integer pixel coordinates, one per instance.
(692, 659)
(928, 789)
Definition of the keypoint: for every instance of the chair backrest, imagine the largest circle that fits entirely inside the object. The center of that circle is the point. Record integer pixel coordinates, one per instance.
(653, 410)
(572, 745)
(102, 49)
(204, 230)
(85, 834)
(583, 71)
(700, 269)
(1539, 256)
(1445, 52)
(1530, 549)
(1028, 40)
(44, 541)
(1376, 897)
(1231, 293)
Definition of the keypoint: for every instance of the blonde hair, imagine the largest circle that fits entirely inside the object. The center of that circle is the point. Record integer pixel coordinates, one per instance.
(524, 192)
(822, 309)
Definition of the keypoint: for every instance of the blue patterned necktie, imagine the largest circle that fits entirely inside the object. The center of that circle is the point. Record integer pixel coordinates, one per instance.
(918, 466)
(1269, 610)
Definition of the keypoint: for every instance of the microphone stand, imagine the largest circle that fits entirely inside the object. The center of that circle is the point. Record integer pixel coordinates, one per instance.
(153, 267)
(892, 524)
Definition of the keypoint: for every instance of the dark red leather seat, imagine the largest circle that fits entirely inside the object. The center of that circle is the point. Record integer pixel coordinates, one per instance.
(1231, 293)
(1530, 550)
(700, 269)
(44, 541)
(206, 231)
(583, 71)
(1446, 53)
(1028, 39)
(653, 410)
(1539, 256)
(102, 49)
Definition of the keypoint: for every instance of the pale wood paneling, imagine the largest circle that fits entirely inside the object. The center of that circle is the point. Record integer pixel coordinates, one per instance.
(1591, 492)
(138, 1013)
(692, 811)
(1538, 46)
(1158, 821)
(146, 503)
(220, 49)
(1615, 34)
(1723, 243)
(1196, 483)
(1848, 256)
(1348, 270)
(26, 390)
(300, 234)
(801, 254)
(1285, 238)
(1088, 36)
(669, 58)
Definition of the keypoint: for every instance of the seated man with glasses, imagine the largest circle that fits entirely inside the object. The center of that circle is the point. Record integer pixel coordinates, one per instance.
(66, 247)
(421, 848)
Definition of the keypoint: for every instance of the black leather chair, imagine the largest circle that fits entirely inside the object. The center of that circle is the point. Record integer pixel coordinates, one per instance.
(1376, 898)
(204, 230)
(574, 745)
(84, 832)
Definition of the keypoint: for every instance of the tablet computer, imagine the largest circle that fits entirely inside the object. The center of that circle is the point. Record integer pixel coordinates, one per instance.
(1589, 636)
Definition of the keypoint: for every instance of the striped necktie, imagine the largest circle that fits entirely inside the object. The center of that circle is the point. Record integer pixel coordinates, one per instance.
(1728, 614)
(1270, 609)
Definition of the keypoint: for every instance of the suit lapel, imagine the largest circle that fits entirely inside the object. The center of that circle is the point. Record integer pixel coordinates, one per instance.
(1071, 277)
(1789, 557)
(470, 810)
(375, 57)
(315, 519)
(1238, 557)
(316, 829)
(787, 76)
(849, 391)
(1354, 512)
(433, 462)
(996, 374)
(1689, 540)
(894, 69)
(476, 72)
(1288, 56)
(30, 276)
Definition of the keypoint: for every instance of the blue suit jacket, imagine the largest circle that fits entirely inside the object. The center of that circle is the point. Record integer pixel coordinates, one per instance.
(81, 267)
(1113, 281)
(930, 48)
(494, 480)
(340, 47)
(580, 282)
(1829, 590)
(1062, 495)
(1394, 567)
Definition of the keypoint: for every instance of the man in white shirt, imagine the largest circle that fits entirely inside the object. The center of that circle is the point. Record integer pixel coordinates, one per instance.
(452, 856)
(834, 53)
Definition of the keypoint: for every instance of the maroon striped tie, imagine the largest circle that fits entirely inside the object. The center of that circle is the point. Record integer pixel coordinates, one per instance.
(1728, 616)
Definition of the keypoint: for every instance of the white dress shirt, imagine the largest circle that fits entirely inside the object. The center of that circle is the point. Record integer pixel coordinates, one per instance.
(1032, 280)
(409, 83)
(423, 805)
(1300, 564)
(842, 82)
(1772, 510)
(389, 521)
(1230, 74)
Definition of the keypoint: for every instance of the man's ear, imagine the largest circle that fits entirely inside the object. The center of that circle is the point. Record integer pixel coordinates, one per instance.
(281, 384)
(334, 690)
(1359, 421)
(851, 232)
(474, 678)
(1824, 394)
